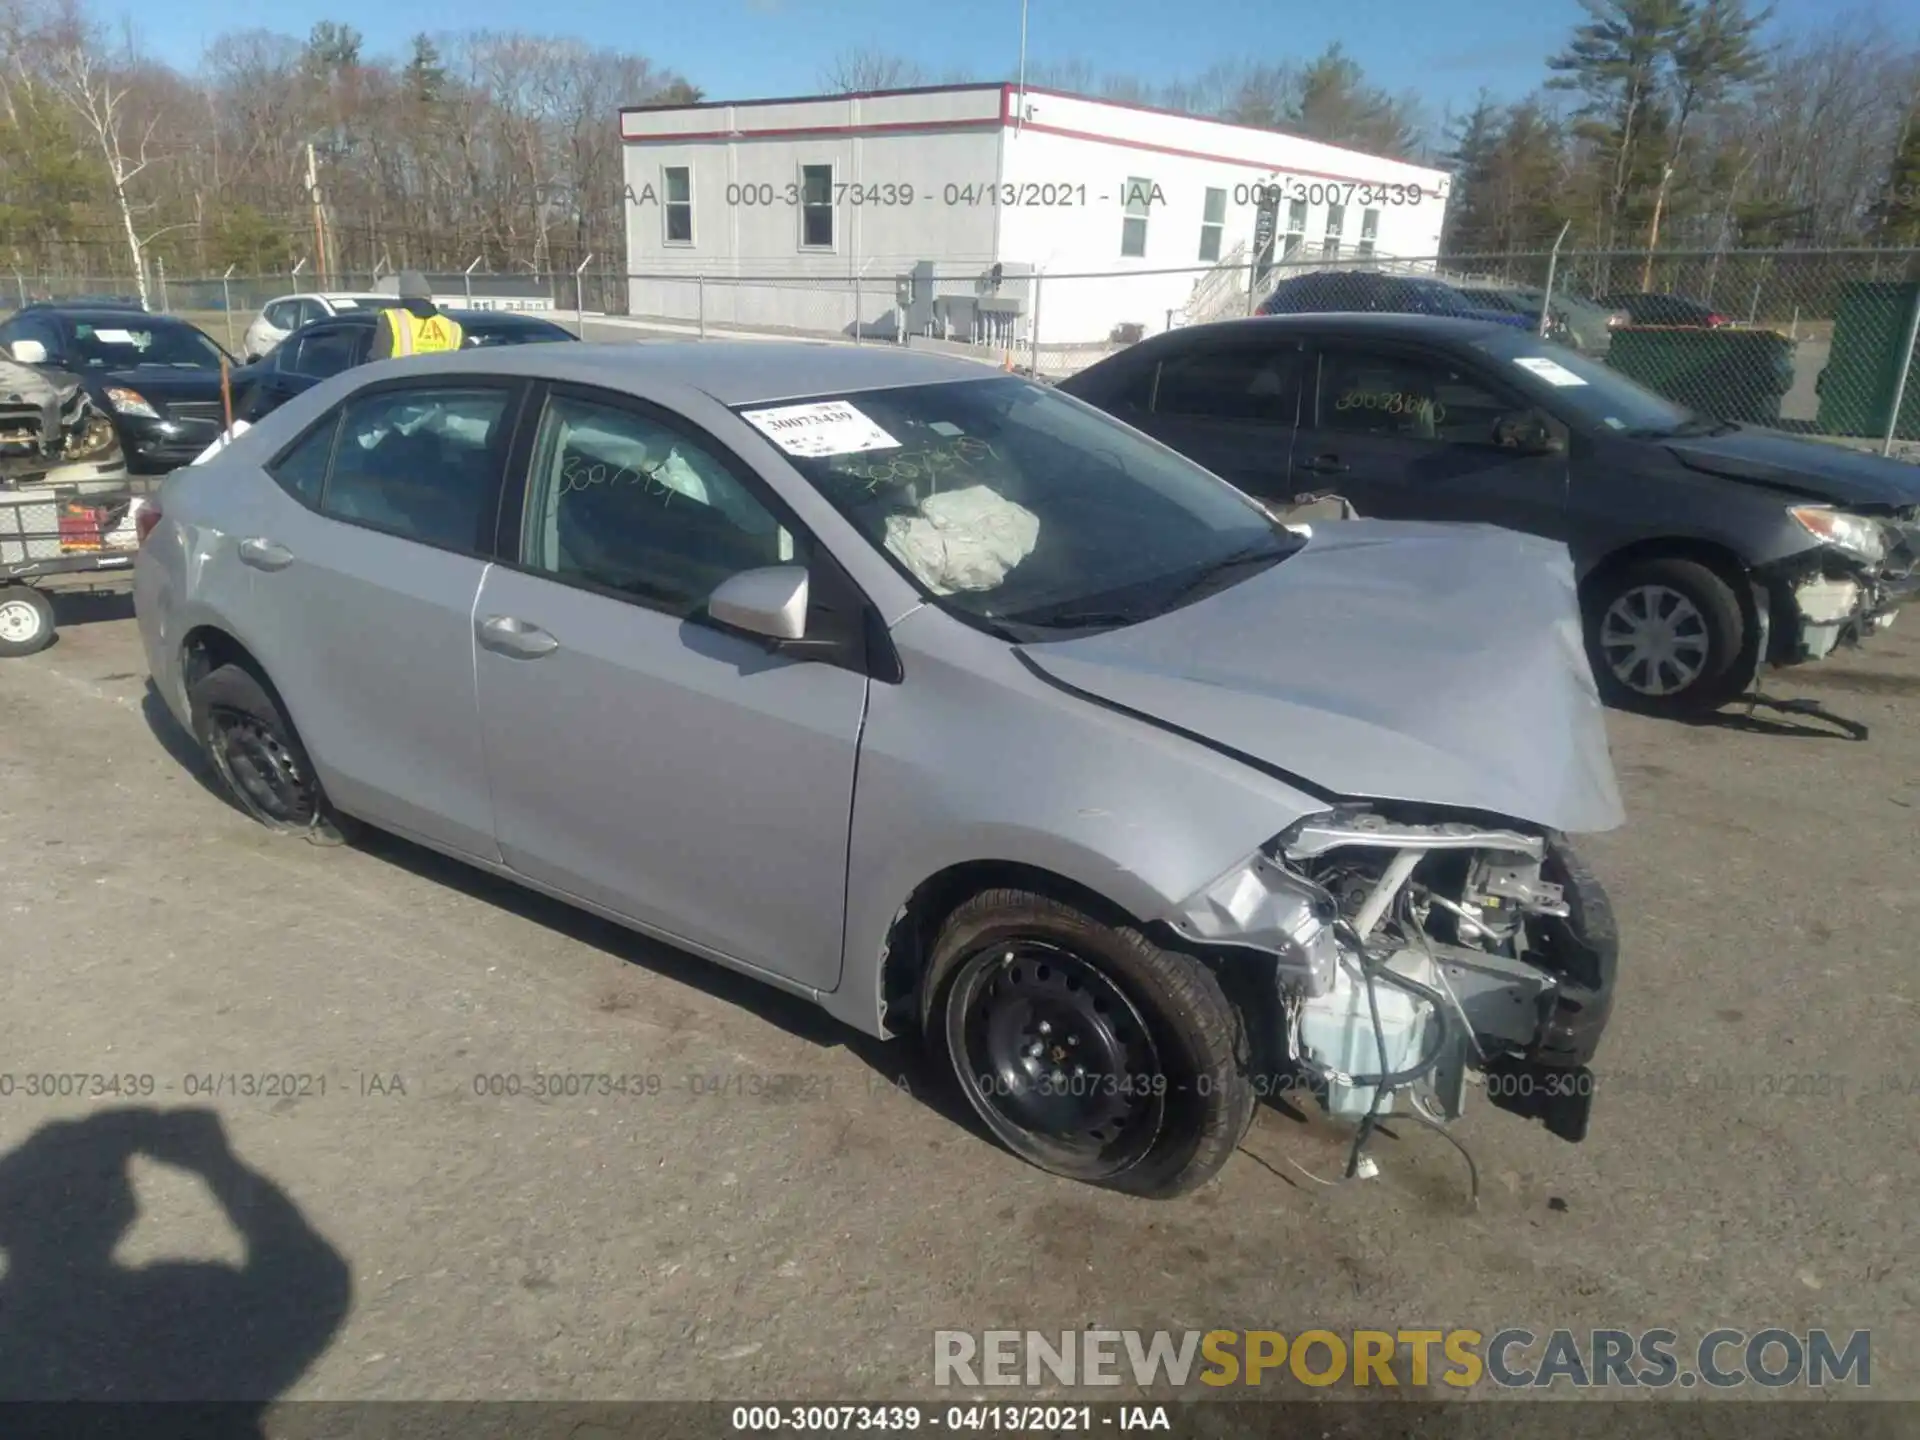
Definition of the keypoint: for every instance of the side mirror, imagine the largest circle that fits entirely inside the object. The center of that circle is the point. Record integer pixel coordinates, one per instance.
(771, 601)
(1528, 432)
(28, 352)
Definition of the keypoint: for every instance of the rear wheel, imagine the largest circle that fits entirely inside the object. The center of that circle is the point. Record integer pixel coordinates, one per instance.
(258, 755)
(26, 620)
(1665, 637)
(1087, 1049)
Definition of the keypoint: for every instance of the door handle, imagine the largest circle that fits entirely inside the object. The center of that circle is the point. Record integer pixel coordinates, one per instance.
(1326, 465)
(507, 636)
(265, 554)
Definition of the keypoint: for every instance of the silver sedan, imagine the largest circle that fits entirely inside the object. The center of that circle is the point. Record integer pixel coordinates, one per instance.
(939, 698)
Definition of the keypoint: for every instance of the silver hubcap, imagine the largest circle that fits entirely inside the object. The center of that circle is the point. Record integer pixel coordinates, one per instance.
(19, 621)
(1655, 640)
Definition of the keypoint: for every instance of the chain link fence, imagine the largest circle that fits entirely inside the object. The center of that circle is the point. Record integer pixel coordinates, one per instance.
(1816, 342)
(1820, 342)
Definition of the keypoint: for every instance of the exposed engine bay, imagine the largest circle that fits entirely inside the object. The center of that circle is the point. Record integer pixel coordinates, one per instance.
(1415, 954)
(47, 420)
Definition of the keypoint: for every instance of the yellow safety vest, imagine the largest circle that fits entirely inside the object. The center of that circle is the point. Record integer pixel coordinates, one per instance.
(413, 335)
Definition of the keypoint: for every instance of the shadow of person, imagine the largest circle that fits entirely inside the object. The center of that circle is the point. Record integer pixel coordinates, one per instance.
(77, 1325)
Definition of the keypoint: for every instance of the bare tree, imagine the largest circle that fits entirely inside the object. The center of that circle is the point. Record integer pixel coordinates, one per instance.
(852, 72)
(100, 103)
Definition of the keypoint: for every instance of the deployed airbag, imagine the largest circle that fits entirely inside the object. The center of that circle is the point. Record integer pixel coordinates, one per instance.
(963, 539)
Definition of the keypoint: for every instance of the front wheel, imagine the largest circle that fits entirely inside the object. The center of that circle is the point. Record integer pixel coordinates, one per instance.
(1666, 637)
(26, 620)
(1087, 1049)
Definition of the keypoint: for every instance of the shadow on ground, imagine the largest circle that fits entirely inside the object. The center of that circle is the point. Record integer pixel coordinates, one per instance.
(78, 1325)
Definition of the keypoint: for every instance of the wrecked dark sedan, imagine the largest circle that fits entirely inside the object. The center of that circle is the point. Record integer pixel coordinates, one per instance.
(1706, 549)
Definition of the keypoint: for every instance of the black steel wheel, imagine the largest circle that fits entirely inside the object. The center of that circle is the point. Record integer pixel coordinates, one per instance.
(1085, 1048)
(255, 750)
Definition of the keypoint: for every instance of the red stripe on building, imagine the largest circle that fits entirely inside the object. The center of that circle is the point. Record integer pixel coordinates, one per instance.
(1008, 118)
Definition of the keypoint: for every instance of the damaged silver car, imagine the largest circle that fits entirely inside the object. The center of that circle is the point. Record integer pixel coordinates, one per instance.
(939, 698)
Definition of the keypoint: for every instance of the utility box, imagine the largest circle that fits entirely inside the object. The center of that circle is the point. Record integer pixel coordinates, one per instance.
(1731, 374)
(1870, 331)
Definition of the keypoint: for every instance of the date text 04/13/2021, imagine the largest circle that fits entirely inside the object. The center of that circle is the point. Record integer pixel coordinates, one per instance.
(1132, 195)
(893, 194)
(1054, 1420)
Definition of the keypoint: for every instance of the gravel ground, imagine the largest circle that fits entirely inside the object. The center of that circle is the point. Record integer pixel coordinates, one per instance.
(1751, 1161)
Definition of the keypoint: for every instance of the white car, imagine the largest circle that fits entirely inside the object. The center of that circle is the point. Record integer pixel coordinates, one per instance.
(280, 318)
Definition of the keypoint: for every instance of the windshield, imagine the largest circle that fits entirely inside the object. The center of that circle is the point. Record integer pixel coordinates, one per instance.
(1021, 510)
(140, 344)
(1584, 391)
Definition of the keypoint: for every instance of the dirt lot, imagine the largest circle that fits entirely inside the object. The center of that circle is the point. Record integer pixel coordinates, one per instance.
(1752, 1160)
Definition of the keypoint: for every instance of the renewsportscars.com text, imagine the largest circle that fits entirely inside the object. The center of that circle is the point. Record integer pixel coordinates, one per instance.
(1512, 1358)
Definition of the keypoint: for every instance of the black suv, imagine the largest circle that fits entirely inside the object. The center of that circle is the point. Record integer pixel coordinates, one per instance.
(156, 377)
(1703, 548)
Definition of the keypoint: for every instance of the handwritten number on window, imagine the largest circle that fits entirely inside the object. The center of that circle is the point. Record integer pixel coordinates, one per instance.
(578, 474)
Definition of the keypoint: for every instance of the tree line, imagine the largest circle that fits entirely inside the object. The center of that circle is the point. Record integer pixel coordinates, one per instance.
(1659, 124)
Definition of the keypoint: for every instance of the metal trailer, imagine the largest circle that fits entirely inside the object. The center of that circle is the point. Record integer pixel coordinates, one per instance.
(50, 529)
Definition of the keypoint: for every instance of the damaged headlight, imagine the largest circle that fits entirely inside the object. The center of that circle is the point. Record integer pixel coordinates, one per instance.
(1856, 534)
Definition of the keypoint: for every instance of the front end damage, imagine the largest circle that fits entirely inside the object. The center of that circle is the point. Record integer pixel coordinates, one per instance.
(50, 430)
(1832, 596)
(1414, 955)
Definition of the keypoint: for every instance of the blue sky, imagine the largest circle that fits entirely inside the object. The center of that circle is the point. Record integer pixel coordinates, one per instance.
(1445, 50)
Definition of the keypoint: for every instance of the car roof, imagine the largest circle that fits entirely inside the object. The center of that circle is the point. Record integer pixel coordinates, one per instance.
(112, 316)
(469, 319)
(1359, 322)
(733, 372)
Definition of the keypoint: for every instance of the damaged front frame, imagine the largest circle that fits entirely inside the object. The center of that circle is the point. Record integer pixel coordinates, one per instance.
(1499, 1004)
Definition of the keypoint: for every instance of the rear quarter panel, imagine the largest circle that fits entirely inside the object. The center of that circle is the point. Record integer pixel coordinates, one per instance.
(189, 573)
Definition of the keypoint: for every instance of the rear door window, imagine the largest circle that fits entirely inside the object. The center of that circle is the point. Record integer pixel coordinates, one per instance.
(423, 462)
(1238, 382)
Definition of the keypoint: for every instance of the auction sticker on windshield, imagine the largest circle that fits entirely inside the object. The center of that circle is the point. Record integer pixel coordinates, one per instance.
(1551, 371)
(824, 427)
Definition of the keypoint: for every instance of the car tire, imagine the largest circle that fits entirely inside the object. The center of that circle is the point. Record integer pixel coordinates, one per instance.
(253, 747)
(26, 621)
(1085, 1048)
(1666, 637)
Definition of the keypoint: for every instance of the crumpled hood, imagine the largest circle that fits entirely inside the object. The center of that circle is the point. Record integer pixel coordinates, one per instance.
(1810, 468)
(1440, 664)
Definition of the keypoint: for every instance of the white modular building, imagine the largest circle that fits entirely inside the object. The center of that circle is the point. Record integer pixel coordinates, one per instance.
(929, 211)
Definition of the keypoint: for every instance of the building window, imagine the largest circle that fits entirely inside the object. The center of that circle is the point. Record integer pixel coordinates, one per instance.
(1369, 231)
(1213, 220)
(816, 207)
(677, 182)
(1336, 223)
(1133, 229)
(1296, 229)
